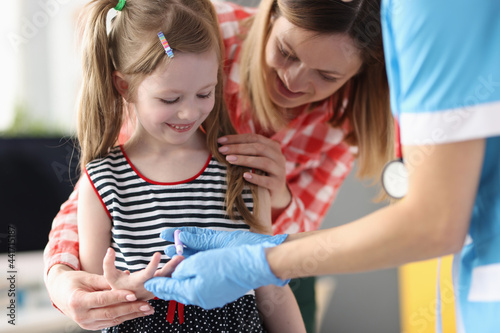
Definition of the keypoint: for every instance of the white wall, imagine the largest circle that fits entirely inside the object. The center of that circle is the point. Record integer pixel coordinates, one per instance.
(41, 61)
(9, 16)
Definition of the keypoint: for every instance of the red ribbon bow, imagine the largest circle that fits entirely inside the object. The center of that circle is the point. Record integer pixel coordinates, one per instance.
(171, 312)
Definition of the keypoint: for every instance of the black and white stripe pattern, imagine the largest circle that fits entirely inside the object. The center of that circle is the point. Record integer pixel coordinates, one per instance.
(140, 209)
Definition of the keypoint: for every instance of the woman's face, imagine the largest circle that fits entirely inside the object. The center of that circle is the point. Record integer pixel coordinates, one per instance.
(303, 67)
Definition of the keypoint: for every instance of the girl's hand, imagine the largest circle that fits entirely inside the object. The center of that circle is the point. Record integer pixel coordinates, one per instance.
(258, 152)
(124, 280)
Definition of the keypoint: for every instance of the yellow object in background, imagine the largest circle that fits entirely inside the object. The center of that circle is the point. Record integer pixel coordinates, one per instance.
(417, 294)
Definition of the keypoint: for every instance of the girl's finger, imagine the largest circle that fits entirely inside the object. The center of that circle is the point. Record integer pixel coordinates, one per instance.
(168, 269)
(151, 268)
(108, 266)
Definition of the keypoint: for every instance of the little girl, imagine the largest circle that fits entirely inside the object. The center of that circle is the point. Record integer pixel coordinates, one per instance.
(161, 60)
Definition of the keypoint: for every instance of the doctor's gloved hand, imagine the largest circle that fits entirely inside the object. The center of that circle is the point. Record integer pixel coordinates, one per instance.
(214, 278)
(201, 239)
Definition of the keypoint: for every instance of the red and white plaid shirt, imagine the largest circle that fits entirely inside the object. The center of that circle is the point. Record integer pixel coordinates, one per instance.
(318, 159)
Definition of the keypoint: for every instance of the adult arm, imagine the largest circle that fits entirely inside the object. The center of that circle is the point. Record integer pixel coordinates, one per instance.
(62, 247)
(432, 220)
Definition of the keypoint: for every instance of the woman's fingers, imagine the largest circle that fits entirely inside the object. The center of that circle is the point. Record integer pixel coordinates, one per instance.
(112, 315)
(280, 194)
(259, 180)
(251, 145)
(264, 164)
(265, 156)
(241, 138)
(258, 152)
(94, 309)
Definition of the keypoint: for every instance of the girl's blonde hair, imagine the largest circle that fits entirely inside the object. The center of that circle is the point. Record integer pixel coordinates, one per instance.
(133, 48)
(367, 93)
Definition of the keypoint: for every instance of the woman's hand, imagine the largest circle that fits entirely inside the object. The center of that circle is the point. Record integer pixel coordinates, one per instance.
(213, 278)
(258, 152)
(87, 299)
(124, 280)
(202, 239)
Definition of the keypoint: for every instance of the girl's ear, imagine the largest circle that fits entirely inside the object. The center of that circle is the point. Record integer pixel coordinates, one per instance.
(121, 84)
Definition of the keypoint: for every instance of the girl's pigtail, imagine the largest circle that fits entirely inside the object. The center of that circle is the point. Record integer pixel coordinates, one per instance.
(216, 125)
(236, 184)
(100, 107)
(219, 124)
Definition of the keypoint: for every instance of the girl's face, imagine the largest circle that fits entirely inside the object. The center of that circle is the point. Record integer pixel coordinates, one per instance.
(173, 102)
(303, 67)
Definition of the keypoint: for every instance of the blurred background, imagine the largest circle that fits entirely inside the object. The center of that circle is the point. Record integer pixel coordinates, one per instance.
(40, 79)
(40, 67)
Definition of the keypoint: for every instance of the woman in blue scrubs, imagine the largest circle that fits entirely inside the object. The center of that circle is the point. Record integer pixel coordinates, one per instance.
(443, 62)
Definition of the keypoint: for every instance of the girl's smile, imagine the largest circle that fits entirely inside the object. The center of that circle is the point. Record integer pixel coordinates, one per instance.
(181, 127)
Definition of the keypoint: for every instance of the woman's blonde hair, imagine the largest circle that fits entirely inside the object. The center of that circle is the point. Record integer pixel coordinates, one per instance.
(367, 93)
(133, 48)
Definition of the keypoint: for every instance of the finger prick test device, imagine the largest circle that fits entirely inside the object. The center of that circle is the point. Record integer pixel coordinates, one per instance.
(179, 247)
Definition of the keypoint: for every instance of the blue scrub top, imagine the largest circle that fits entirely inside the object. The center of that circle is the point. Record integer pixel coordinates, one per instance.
(443, 65)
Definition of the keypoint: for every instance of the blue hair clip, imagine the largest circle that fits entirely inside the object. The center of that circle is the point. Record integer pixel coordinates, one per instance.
(164, 42)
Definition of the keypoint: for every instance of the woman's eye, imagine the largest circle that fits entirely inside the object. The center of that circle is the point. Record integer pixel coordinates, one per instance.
(285, 54)
(328, 78)
(170, 101)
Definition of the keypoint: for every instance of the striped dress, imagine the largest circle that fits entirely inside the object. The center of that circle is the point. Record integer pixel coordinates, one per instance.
(140, 209)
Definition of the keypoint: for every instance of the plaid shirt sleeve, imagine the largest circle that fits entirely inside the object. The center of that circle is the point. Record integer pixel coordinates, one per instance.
(313, 190)
(62, 247)
(318, 161)
(230, 16)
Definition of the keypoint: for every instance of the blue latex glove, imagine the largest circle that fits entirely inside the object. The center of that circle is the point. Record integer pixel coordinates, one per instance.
(214, 278)
(200, 239)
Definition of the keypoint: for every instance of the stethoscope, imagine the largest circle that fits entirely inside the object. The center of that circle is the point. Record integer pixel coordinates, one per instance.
(395, 174)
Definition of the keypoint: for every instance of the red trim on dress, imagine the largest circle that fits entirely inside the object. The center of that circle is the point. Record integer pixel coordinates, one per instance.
(98, 195)
(160, 183)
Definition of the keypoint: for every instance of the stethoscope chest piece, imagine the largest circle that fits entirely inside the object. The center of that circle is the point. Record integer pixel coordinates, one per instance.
(395, 179)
